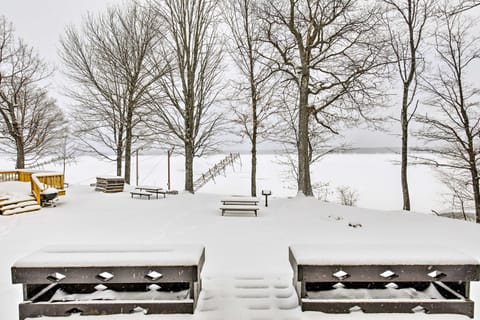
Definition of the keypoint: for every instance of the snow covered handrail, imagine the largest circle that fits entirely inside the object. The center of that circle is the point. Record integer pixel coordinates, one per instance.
(44, 180)
(215, 170)
(383, 279)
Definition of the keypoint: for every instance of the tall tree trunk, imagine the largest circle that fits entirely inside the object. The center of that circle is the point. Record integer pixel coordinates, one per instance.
(128, 146)
(189, 143)
(189, 166)
(476, 187)
(119, 160)
(304, 183)
(404, 162)
(253, 175)
(254, 97)
(20, 153)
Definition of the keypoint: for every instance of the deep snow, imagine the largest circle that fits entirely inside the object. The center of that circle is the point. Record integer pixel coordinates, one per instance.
(247, 274)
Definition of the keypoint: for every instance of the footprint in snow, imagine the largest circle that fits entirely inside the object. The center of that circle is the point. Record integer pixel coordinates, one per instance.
(355, 225)
(336, 218)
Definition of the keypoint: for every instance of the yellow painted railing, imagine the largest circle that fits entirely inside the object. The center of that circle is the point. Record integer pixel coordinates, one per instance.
(39, 181)
(8, 176)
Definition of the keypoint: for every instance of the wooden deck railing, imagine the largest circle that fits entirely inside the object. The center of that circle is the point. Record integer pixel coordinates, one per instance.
(8, 176)
(39, 181)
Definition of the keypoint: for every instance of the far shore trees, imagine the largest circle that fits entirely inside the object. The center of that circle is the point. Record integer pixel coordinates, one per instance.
(30, 120)
(112, 65)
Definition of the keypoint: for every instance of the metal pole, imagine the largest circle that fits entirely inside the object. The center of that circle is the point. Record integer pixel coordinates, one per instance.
(169, 155)
(137, 166)
(136, 157)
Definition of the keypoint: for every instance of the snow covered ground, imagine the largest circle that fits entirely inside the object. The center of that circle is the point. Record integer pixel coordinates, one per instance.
(247, 274)
(375, 177)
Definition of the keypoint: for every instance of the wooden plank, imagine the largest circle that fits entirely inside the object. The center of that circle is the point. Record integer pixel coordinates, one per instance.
(17, 200)
(21, 210)
(384, 306)
(32, 310)
(89, 275)
(141, 194)
(18, 205)
(238, 208)
(403, 273)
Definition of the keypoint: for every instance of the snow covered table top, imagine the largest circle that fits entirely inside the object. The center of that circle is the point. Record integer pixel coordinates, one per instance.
(378, 254)
(82, 256)
(110, 178)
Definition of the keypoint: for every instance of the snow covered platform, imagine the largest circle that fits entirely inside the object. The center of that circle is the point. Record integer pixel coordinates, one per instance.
(383, 279)
(110, 184)
(58, 281)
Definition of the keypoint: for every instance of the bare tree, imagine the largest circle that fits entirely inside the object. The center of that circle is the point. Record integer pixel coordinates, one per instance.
(112, 62)
(321, 141)
(460, 6)
(253, 89)
(330, 50)
(30, 120)
(406, 21)
(452, 125)
(192, 85)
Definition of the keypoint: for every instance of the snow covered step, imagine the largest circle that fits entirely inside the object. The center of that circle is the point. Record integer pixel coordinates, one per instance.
(18, 205)
(24, 209)
(15, 200)
(249, 297)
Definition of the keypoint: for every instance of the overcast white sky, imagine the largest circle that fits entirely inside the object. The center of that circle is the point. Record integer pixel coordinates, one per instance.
(41, 22)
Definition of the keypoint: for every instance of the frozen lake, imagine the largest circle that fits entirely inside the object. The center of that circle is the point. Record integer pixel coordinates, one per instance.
(375, 177)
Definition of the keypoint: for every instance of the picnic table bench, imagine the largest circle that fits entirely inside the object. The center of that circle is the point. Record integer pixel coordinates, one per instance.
(153, 190)
(59, 281)
(239, 208)
(141, 194)
(240, 204)
(383, 279)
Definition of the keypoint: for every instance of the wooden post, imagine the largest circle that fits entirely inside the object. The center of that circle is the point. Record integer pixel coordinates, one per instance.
(136, 165)
(169, 153)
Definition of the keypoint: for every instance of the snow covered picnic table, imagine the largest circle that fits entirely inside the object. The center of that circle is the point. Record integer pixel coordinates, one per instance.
(150, 189)
(378, 278)
(240, 200)
(58, 281)
(240, 204)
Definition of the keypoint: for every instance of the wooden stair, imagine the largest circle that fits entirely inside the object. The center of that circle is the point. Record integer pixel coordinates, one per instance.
(9, 206)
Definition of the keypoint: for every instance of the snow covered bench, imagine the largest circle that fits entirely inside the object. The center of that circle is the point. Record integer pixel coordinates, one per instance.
(141, 194)
(240, 204)
(59, 281)
(383, 279)
(239, 208)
